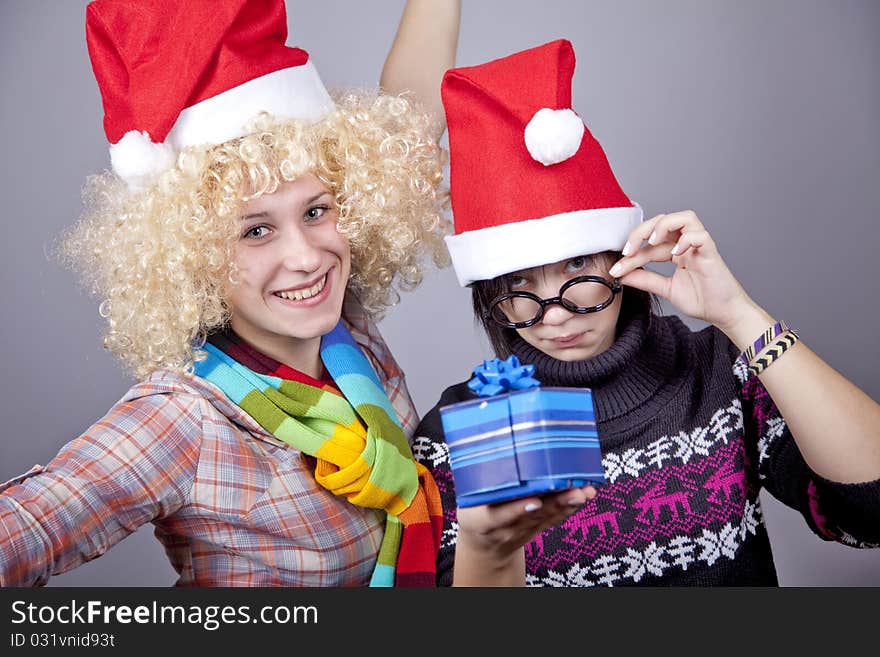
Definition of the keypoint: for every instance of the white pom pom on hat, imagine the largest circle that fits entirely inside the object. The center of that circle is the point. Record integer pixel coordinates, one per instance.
(138, 160)
(176, 74)
(505, 119)
(553, 136)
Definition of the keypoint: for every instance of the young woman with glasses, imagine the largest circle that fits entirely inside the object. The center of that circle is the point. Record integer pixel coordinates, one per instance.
(691, 424)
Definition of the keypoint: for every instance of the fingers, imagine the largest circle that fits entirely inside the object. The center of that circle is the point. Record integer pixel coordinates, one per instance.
(557, 507)
(656, 230)
(574, 496)
(640, 258)
(537, 510)
(697, 239)
(668, 237)
(649, 281)
(566, 500)
(500, 527)
(528, 511)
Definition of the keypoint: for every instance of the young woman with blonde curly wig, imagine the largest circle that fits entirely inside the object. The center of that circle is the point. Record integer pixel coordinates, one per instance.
(251, 230)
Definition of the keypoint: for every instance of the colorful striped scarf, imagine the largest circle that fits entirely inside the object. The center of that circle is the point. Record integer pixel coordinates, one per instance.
(372, 465)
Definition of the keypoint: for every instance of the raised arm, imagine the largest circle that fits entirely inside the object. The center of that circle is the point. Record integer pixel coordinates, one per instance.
(835, 424)
(423, 50)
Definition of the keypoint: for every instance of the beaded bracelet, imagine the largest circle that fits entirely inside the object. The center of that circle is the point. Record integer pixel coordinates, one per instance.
(766, 358)
(763, 340)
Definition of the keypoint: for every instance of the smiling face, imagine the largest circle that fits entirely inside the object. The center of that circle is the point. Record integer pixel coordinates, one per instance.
(293, 266)
(562, 334)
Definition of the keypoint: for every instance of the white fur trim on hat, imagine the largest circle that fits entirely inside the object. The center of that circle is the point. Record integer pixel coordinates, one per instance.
(137, 159)
(489, 252)
(289, 93)
(553, 136)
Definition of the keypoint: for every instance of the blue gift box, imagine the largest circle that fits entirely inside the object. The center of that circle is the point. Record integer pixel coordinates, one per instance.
(522, 442)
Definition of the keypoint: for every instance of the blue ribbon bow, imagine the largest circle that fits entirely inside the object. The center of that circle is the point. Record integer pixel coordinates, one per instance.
(496, 376)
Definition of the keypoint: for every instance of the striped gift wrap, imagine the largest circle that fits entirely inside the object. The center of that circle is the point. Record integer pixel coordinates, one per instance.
(522, 443)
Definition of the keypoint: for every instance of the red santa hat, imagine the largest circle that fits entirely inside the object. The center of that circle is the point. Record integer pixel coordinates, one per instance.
(529, 184)
(178, 73)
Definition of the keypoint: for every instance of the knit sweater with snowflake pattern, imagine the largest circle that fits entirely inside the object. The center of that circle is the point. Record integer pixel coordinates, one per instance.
(688, 441)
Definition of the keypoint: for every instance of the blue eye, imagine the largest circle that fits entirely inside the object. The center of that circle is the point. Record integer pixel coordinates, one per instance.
(316, 212)
(576, 264)
(515, 281)
(256, 232)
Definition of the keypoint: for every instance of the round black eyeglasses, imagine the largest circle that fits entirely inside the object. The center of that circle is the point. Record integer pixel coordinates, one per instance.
(581, 295)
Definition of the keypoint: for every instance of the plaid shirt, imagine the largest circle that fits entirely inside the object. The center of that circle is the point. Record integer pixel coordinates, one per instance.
(232, 504)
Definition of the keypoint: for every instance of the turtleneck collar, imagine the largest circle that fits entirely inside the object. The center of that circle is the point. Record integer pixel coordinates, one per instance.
(641, 370)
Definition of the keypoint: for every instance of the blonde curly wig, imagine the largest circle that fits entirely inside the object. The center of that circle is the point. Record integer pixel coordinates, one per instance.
(162, 260)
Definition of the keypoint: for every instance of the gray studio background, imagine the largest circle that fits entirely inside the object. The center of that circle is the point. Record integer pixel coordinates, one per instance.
(761, 115)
